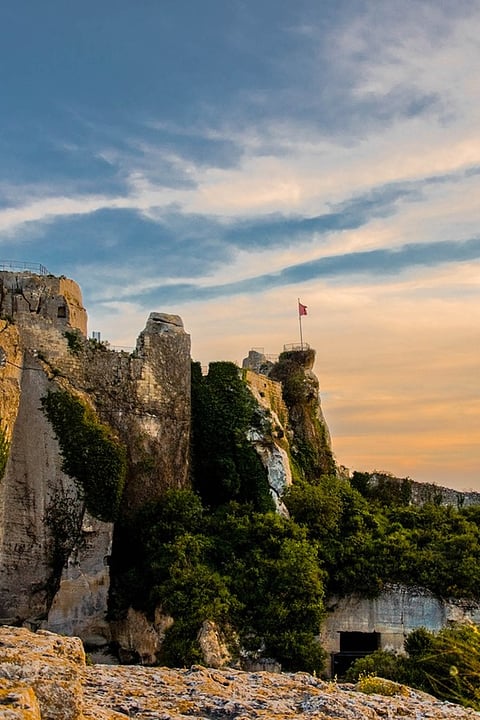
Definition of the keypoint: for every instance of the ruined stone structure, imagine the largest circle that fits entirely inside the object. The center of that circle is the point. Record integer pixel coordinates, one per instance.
(144, 397)
(56, 300)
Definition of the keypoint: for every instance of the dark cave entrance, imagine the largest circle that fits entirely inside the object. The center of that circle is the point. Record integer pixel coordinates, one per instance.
(353, 645)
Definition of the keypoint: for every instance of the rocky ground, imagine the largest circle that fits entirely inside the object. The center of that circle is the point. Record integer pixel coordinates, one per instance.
(44, 677)
(201, 693)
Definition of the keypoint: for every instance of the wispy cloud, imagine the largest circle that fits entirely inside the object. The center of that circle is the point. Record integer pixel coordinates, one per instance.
(231, 158)
(377, 264)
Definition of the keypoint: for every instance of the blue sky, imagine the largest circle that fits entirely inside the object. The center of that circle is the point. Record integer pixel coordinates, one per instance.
(219, 159)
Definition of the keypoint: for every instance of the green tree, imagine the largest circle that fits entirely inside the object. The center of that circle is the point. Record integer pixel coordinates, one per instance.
(274, 574)
(225, 466)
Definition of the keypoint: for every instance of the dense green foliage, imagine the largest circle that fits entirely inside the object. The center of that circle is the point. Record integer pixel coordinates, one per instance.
(91, 455)
(366, 544)
(446, 664)
(225, 466)
(251, 572)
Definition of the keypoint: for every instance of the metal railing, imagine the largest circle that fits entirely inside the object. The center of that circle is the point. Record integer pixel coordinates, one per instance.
(296, 346)
(19, 266)
(121, 348)
(267, 356)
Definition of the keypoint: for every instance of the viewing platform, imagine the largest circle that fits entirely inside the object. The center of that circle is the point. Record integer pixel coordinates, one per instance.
(23, 267)
(293, 347)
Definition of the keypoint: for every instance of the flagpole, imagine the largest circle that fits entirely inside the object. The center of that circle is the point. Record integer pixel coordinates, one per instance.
(300, 323)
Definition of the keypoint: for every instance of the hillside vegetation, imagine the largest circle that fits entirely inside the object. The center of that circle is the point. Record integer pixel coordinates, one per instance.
(219, 552)
(445, 664)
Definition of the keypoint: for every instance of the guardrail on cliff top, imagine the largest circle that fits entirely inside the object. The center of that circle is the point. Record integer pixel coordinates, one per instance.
(296, 346)
(18, 266)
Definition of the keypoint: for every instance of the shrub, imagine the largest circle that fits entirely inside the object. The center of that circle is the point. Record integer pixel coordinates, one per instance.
(381, 663)
(373, 685)
(445, 664)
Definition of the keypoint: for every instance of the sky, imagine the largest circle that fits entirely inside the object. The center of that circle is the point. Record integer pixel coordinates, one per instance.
(219, 159)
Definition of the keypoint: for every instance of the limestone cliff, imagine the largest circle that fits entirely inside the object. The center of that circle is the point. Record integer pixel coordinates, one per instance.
(54, 556)
(63, 562)
(307, 432)
(271, 440)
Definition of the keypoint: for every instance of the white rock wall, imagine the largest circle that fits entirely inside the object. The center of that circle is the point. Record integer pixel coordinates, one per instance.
(394, 614)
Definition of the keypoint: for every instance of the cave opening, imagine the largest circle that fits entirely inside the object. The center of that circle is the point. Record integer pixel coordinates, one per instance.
(353, 645)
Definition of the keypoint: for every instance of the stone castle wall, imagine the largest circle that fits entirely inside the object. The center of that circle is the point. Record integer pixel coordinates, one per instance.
(268, 394)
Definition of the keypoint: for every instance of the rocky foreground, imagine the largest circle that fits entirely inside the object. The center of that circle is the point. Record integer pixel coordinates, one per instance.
(44, 677)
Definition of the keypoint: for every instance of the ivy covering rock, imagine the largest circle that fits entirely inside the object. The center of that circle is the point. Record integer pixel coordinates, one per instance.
(92, 456)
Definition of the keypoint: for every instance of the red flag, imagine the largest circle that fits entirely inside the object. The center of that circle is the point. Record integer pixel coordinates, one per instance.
(302, 309)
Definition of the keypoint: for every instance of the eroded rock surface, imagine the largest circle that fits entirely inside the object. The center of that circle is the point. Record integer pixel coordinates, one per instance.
(50, 665)
(55, 560)
(43, 676)
(200, 693)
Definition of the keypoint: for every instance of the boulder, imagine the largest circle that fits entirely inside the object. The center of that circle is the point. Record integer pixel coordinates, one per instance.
(50, 666)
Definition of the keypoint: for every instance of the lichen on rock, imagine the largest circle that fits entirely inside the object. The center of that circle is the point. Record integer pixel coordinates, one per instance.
(43, 675)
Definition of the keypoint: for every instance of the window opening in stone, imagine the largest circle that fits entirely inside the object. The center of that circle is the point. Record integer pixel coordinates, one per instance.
(62, 311)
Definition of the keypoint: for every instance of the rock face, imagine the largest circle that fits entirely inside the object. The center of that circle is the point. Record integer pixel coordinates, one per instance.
(44, 673)
(310, 443)
(357, 624)
(32, 483)
(139, 638)
(271, 443)
(144, 397)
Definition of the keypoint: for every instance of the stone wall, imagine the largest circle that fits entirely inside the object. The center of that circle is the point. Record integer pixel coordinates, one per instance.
(268, 394)
(393, 615)
(429, 492)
